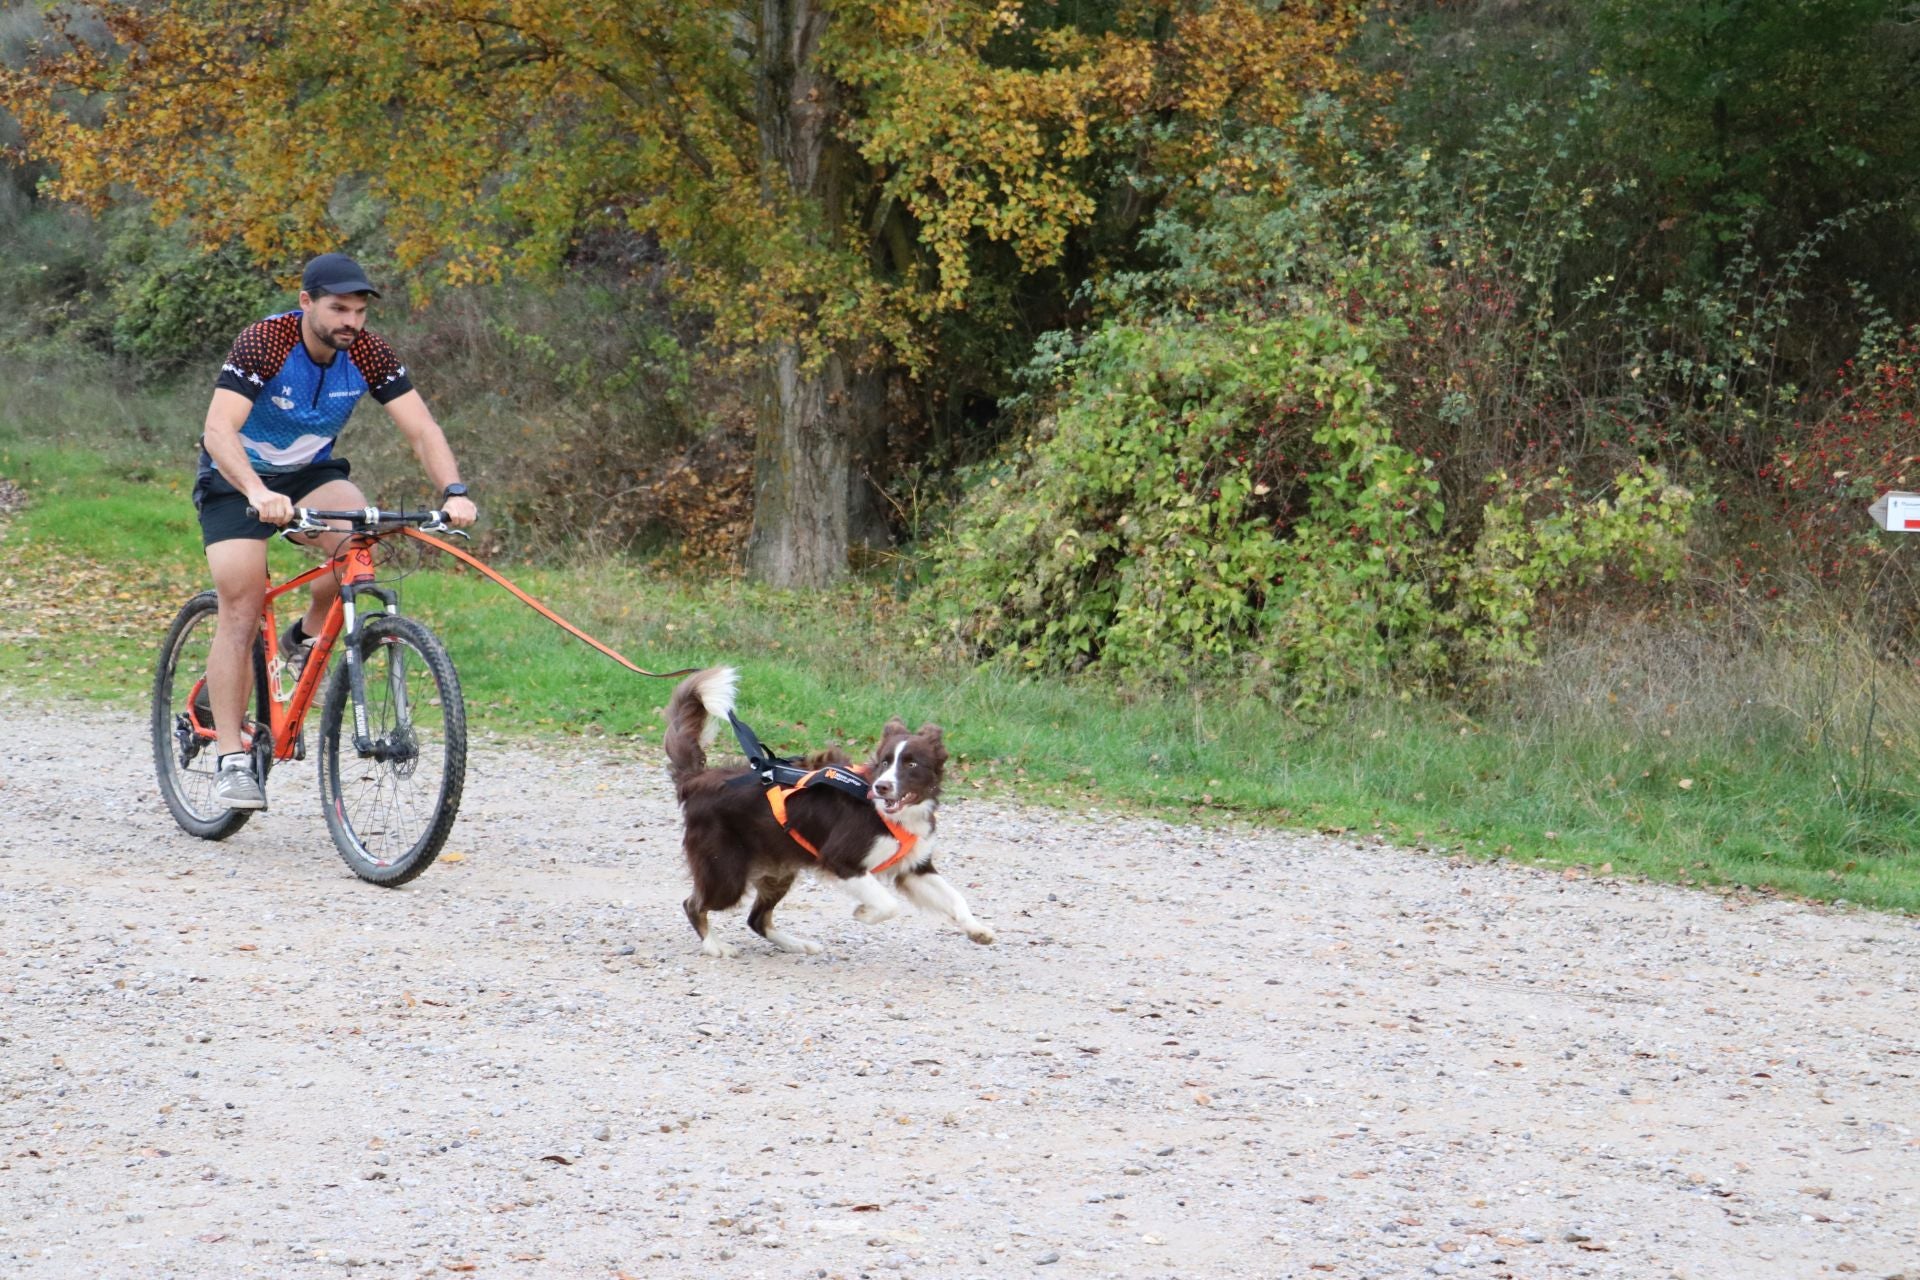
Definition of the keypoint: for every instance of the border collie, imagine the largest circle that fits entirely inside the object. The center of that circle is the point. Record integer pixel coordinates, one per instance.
(733, 840)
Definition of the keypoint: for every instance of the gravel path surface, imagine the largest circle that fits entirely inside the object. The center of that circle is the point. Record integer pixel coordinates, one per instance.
(1191, 1053)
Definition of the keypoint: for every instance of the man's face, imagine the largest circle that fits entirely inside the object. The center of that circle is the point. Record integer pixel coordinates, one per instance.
(336, 319)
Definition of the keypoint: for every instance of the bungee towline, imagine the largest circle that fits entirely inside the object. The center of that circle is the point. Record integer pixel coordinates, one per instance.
(539, 608)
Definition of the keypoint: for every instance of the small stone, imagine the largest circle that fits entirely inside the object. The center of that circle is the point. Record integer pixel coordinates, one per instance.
(603, 1134)
(1048, 1258)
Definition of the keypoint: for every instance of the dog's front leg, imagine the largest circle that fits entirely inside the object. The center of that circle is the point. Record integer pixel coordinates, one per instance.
(876, 904)
(930, 891)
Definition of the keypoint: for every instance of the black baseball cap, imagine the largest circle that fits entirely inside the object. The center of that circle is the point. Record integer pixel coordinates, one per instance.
(335, 273)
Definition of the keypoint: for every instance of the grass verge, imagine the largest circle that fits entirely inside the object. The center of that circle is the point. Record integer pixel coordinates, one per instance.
(1599, 766)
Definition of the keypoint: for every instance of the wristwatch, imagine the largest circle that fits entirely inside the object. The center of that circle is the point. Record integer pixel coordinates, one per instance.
(454, 490)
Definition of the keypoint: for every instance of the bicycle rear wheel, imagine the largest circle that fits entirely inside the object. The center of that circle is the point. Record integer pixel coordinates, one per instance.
(184, 761)
(389, 810)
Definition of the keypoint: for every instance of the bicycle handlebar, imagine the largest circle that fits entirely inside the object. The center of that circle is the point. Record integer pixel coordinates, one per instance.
(361, 520)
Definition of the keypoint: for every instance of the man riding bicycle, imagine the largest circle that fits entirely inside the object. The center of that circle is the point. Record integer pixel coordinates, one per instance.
(287, 388)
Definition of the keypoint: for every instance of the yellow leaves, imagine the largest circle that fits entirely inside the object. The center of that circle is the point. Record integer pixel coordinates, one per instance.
(492, 132)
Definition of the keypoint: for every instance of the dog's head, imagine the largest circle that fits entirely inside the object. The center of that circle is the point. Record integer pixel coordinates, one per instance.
(907, 766)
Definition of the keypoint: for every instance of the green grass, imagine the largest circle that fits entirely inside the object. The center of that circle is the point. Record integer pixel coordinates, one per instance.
(95, 565)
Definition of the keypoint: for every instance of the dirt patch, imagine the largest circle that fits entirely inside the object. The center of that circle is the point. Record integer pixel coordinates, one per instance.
(1191, 1053)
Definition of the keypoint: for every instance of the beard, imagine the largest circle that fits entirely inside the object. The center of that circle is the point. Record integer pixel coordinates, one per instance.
(339, 337)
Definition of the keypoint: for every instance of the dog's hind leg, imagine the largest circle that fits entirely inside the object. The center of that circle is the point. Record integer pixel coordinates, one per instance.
(768, 890)
(876, 904)
(929, 891)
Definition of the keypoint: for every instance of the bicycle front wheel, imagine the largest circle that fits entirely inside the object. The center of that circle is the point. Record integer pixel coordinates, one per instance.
(390, 806)
(182, 759)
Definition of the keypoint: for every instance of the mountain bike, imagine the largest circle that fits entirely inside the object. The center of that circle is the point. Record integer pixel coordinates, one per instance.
(393, 726)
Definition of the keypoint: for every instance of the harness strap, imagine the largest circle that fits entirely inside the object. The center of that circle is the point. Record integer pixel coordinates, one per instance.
(537, 607)
(831, 775)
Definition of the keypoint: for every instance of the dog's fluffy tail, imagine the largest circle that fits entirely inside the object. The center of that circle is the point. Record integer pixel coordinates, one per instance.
(695, 713)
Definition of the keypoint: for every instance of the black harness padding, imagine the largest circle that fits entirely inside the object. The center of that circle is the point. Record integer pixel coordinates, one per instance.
(780, 771)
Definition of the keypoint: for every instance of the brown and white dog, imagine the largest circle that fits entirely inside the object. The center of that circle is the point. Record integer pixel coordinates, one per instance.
(733, 839)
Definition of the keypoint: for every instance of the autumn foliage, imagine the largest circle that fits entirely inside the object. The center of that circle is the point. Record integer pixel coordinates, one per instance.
(492, 135)
(1867, 442)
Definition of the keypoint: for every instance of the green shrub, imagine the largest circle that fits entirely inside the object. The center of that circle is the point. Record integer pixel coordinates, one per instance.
(177, 305)
(1224, 478)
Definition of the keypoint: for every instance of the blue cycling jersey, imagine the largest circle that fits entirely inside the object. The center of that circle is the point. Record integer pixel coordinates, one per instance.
(299, 406)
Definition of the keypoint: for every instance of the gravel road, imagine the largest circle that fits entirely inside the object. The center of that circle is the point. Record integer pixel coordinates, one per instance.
(1192, 1052)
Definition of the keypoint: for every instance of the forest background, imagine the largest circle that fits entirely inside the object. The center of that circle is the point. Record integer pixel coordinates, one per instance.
(1452, 420)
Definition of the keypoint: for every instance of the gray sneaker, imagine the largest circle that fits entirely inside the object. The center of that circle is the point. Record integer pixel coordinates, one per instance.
(235, 786)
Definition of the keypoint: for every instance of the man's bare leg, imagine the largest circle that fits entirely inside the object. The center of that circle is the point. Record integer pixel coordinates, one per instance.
(239, 568)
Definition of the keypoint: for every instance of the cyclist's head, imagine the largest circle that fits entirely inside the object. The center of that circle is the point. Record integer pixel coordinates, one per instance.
(334, 293)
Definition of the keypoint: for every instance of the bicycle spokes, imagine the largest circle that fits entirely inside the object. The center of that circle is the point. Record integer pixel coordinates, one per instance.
(391, 794)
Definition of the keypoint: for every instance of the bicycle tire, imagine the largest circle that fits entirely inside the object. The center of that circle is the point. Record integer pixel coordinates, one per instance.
(373, 805)
(187, 791)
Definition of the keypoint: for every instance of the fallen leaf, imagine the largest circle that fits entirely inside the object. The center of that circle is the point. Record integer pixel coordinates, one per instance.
(1685, 784)
(453, 857)
(557, 1159)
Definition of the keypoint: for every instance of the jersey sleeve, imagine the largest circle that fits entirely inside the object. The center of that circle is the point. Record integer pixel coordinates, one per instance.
(257, 355)
(386, 377)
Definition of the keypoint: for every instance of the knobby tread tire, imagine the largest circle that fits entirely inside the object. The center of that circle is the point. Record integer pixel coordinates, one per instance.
(169, 697)
(336, 736)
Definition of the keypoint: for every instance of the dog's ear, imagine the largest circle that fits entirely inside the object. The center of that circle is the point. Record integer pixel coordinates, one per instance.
(894, 730)
(935, 741)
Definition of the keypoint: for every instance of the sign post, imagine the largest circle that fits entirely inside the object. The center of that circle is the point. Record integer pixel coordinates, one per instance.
(1897, 512)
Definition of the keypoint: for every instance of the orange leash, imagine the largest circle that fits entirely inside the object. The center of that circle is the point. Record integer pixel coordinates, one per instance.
(539, 608)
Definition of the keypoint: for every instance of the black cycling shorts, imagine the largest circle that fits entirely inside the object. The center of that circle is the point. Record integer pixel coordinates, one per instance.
(223, 508)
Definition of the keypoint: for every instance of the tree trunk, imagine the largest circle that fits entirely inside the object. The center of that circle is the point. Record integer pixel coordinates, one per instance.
(818, 424)
(807, 477)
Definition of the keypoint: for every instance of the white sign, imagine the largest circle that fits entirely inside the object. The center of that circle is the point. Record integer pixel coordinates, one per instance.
(1897, 512)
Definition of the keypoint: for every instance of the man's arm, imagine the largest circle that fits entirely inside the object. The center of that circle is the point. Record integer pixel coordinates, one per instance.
(225, 416)
(410, 413)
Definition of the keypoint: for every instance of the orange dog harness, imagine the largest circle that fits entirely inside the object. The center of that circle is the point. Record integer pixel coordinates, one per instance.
(844, 780)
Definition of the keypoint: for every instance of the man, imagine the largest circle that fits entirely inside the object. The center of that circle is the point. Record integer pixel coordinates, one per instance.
(286, 390)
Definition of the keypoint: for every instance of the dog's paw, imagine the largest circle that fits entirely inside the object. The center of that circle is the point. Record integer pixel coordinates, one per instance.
(981, 934)
(795, 946)
(866, 913)
(712, 946)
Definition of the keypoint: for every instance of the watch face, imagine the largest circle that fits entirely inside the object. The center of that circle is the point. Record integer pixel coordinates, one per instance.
(455, 491)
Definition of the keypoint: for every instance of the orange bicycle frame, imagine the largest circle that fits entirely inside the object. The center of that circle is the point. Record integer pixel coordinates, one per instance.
(287, 708)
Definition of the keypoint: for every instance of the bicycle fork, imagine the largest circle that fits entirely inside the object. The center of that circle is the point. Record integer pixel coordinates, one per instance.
(360, 582)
